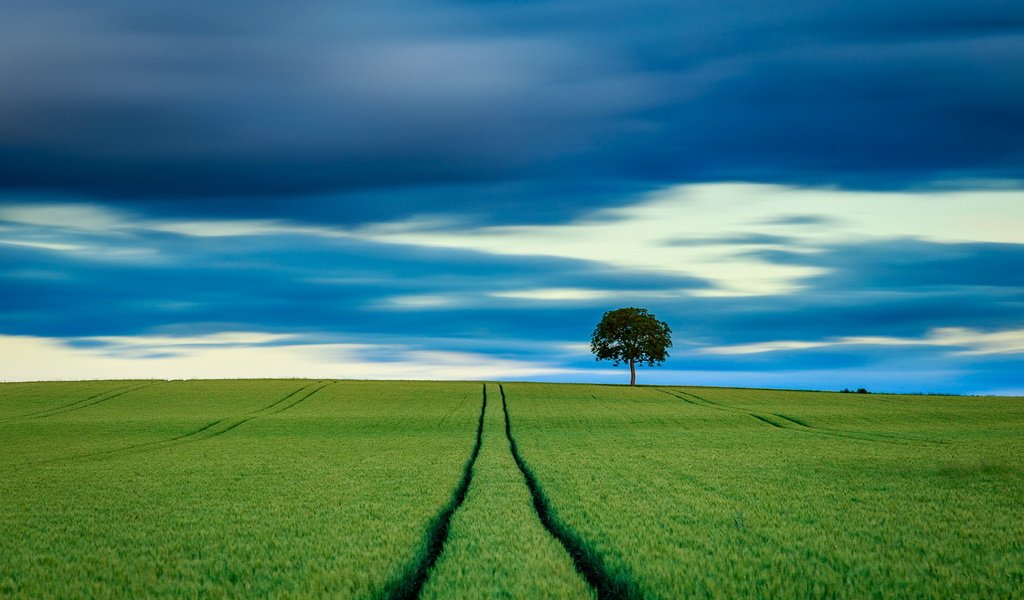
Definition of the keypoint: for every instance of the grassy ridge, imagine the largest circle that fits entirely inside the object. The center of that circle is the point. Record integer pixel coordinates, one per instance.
(330, 497)
(705, 499)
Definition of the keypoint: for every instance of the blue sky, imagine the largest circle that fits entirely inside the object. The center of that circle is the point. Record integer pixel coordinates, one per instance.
(812, 194)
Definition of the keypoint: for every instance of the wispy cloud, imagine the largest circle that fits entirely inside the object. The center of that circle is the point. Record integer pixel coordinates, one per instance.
(722, 233)
(748, 276)
(958, 339)
(559, 294)
(416, 302)
(54, 246)
(711, 231)
(244, 354)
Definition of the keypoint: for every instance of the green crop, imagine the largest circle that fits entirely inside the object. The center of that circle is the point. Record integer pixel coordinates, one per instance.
(497, 548)
(754, 493)
(330, 497)
(301, 488)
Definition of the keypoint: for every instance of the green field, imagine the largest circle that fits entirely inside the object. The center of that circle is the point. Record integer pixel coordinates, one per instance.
(301, 488)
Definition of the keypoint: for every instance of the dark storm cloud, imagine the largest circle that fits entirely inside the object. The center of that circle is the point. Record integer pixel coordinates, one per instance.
(305, 98)
(203, 101)
(535, 201)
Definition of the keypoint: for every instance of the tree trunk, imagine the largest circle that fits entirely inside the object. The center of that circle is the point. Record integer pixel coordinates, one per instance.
(632, 372)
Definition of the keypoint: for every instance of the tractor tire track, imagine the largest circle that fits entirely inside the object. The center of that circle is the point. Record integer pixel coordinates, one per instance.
(210, 430)
(268, 411)
(80, 406)
(452, 411)
(795, 420)
(269, 408)
(787, 423)
(698, 404)
(409, 584)
(767, 421)
(794, 424)
(44, 412)
(588, 562)
(791, 425)
(83, 403)
(238, 423)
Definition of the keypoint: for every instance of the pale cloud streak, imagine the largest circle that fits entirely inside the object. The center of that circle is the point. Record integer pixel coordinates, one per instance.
(720, 233)
(517, 296)
(585, 295)
(559, 294)
(244, 355)
(715, 231)
(960, 340)
(53, 246)
(416, 302)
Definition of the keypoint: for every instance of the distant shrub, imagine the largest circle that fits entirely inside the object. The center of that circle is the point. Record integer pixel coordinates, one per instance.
(862, 391)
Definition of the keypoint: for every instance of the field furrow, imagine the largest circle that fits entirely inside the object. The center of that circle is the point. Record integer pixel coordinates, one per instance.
(696, 500)
(868, 415)
(88, 402)
(152, 415)
(62, 407)
(796, 424)
(409, 585)
(209, 430)
(498, 546)
(291, 399)
(363, 489)
(22, 400)
(330, 496)
(587, 562)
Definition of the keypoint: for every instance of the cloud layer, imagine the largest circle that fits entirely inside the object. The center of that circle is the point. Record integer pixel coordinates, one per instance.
(258, 99)
(812, 194)
(827, 287)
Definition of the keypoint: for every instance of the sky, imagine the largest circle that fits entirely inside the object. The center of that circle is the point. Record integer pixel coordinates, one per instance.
(817, 195)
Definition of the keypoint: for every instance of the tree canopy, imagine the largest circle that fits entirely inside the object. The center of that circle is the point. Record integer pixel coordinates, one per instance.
(631, 335)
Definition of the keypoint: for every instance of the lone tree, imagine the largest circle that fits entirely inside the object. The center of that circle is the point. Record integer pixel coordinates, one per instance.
(631, 335)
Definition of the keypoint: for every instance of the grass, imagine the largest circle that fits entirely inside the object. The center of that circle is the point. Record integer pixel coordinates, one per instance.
(497, 547)
(330, 497)
(292, 488)
(749, 493)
